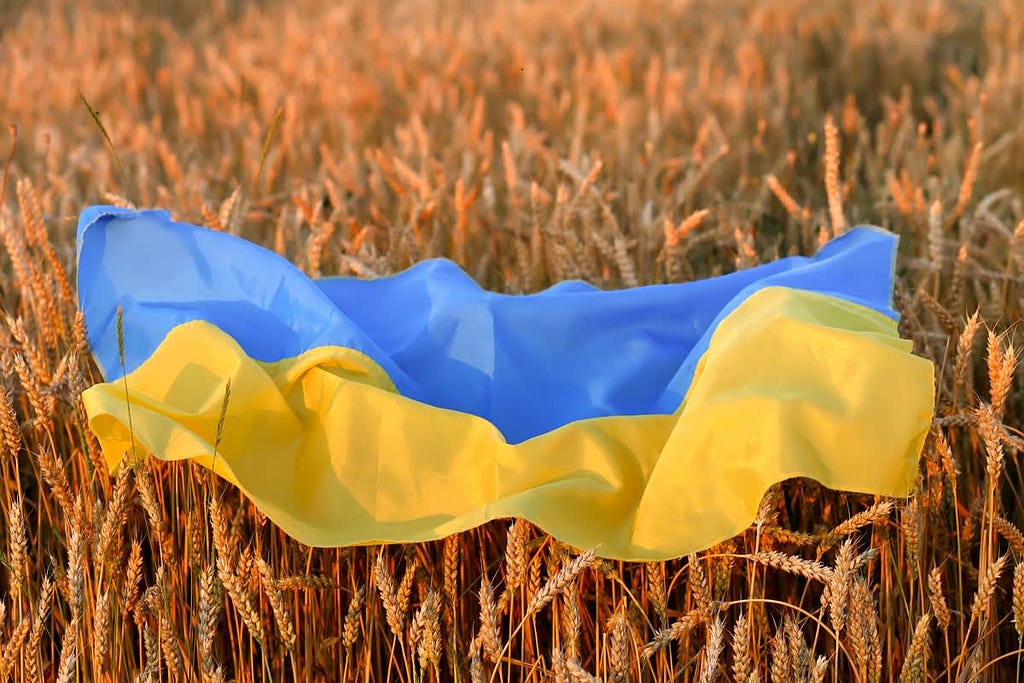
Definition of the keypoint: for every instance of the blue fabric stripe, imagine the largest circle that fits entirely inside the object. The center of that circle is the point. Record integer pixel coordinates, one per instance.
(527, 363)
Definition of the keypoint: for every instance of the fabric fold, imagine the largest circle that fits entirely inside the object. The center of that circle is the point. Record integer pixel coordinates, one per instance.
(335, 460)
(647, 423)
(528, 364)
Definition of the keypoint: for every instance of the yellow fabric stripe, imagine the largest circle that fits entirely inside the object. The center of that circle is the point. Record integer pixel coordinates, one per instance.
(794, 383)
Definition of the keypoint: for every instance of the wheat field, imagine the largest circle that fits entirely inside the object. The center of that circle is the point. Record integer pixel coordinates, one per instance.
(620, 143)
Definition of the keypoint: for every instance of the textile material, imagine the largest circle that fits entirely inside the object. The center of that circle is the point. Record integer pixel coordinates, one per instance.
(645, 422)
(528, 364)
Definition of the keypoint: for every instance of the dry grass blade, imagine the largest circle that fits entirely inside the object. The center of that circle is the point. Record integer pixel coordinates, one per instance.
(95, 116)
(785, 198)
(265, 149)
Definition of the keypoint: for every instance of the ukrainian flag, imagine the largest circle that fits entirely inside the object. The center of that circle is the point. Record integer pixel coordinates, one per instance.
(646, 422)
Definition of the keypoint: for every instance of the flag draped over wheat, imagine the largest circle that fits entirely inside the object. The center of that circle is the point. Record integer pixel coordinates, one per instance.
(646, 422)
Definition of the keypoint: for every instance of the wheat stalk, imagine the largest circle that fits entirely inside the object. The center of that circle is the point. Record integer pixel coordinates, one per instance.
(982, 603)
(101, 631)
(17, 543)
(241, 597)
(699, 588)
(451, 569)
(618, 631)
(655, 584)
(515, 559)
(211, 605)
(937, 599)
(810, 569)
(572, 622)
(490, 629)
(679, 628)
(352, 626)
(557, 583)
(12, 648)
(282, 615)
(713, 650)
(743, 667)
(427, 620)
(837, 589)
(833, 184)
(783, 668)
(388, 594)
(876, 514)
(915, 665)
